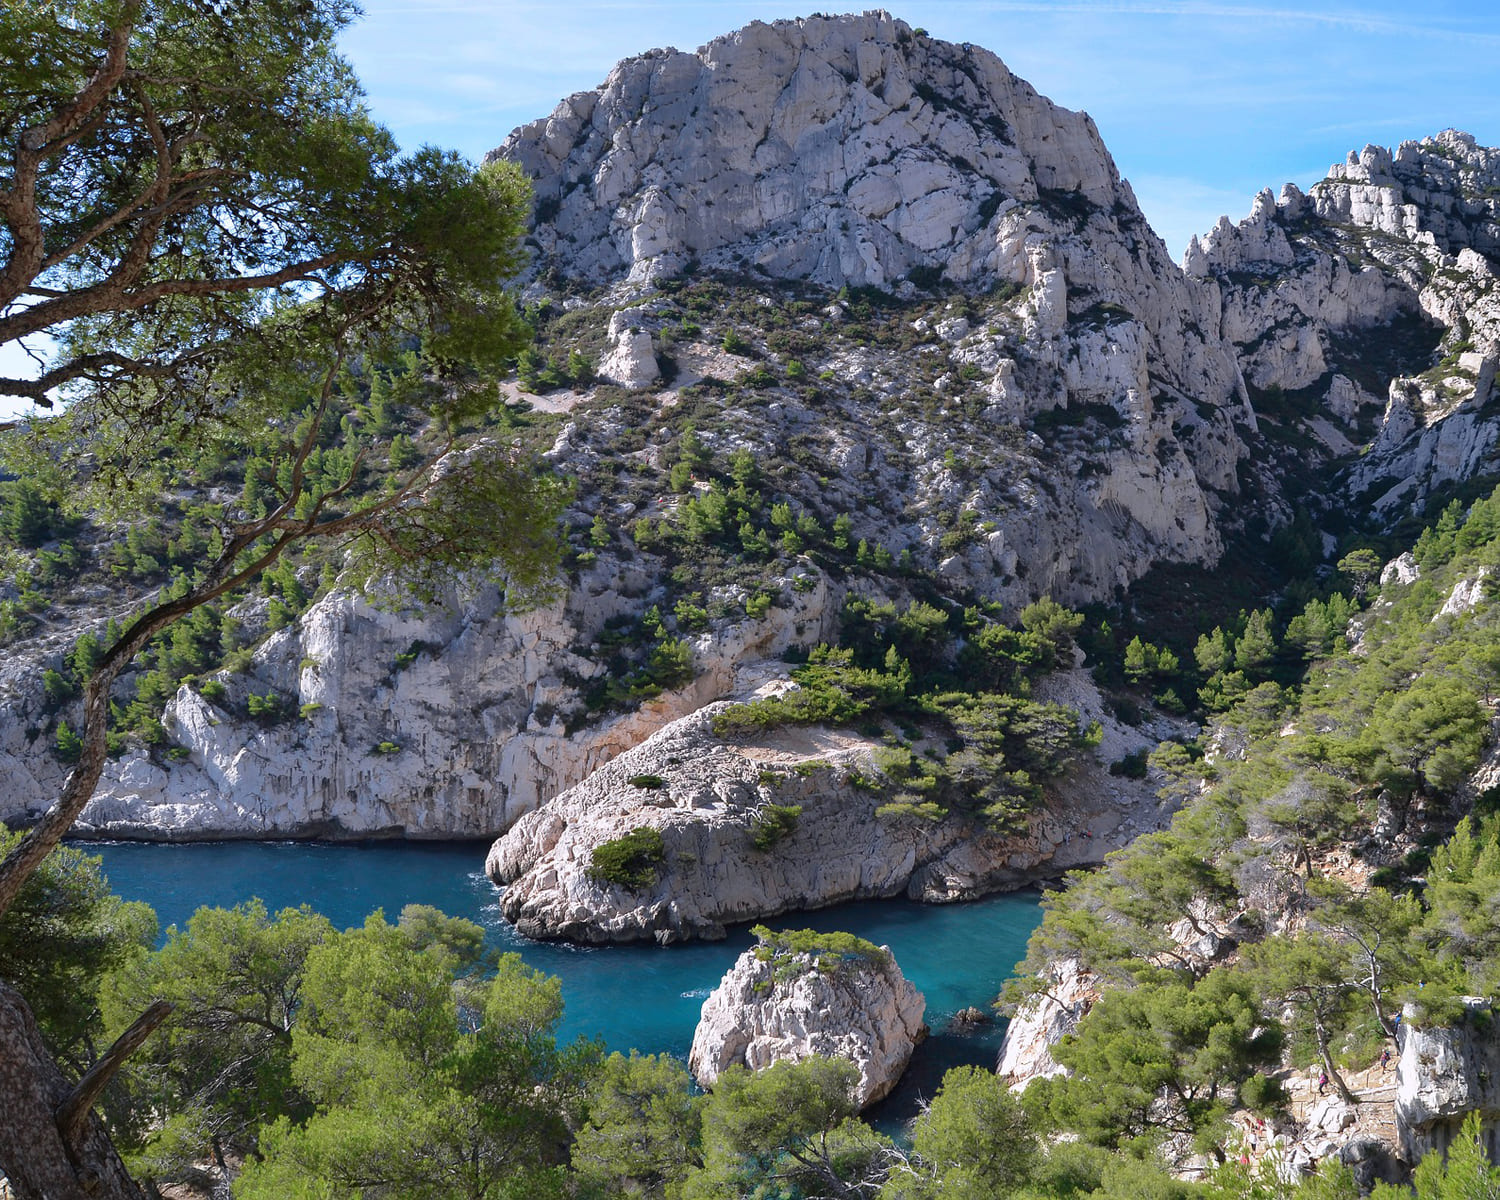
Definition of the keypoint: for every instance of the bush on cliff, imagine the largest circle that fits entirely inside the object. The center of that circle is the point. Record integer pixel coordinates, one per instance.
(631, 861)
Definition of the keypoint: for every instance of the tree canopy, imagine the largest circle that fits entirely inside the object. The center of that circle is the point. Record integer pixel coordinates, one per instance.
(204, 235)
(177, 171)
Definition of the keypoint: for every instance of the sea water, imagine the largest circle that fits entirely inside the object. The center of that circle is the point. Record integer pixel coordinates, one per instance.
(643, 996)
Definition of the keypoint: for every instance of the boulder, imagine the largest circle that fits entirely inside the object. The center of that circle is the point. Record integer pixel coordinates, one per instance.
(1331, 1114)
(1371, 1161)
(800, 994)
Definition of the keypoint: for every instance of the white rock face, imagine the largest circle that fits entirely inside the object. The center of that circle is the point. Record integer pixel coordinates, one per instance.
(706, 810)
(1026, 1052)
(1442, 1075)
(834, 149)
(850, 150)
(1465, 595)
(1401, 570)
(475, 721)
(786, 1008)
(1331, 1114)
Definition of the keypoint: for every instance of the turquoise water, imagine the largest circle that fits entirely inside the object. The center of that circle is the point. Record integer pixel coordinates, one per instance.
(643, 996)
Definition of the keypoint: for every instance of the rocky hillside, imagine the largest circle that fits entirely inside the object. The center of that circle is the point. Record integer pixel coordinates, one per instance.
(1365, 315)
(853, 152)
(832, 317)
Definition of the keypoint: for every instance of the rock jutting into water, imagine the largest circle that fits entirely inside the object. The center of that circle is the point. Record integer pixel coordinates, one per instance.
(708, 799)
(800, 994)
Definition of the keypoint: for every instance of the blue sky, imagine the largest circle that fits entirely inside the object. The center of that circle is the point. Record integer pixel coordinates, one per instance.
(1202, 102)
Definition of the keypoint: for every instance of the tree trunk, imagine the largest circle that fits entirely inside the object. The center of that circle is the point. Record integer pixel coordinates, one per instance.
(1333, 1072)
(36, 1160)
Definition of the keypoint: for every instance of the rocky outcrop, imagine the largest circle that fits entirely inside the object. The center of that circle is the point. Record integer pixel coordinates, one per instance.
(1059, 433)
(1043, 1020)
(710, 799)
(1372, 297)
(1445, 1073)
(631, 359)
(835, 999)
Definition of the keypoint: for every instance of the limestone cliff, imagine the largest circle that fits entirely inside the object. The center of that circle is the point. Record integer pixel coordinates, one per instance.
(1365, 312)
(1444, 1073)
(1044, 1020)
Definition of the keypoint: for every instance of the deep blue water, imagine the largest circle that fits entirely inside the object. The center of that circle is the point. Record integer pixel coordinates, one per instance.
(647, 997)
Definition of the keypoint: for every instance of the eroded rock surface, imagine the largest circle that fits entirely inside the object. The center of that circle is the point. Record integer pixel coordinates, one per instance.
(1043, 1021)
(1444, 1073)
(706, 797)
(778, 1005)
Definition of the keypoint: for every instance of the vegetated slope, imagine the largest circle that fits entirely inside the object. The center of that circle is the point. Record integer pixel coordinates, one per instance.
(1310, 881)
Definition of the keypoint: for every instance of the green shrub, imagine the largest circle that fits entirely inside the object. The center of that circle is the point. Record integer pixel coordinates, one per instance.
(411, 654)
(832, 690)
(831, 952)
(650, 782)
(58, 687)
(690, 617)
(1132, 766)
(403, 454)
(1263, 1093)
(386, 748)
(631, 861)
(68, 746)
(270, 708)
(773, 823)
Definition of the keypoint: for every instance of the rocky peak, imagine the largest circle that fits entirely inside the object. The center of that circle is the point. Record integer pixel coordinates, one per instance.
(1447, 187)
(1442, 193)
(852, 150)
(841, 150)
(1369, 305)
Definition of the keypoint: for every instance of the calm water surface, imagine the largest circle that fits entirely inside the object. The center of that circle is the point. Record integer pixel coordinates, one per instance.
(647, 997)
